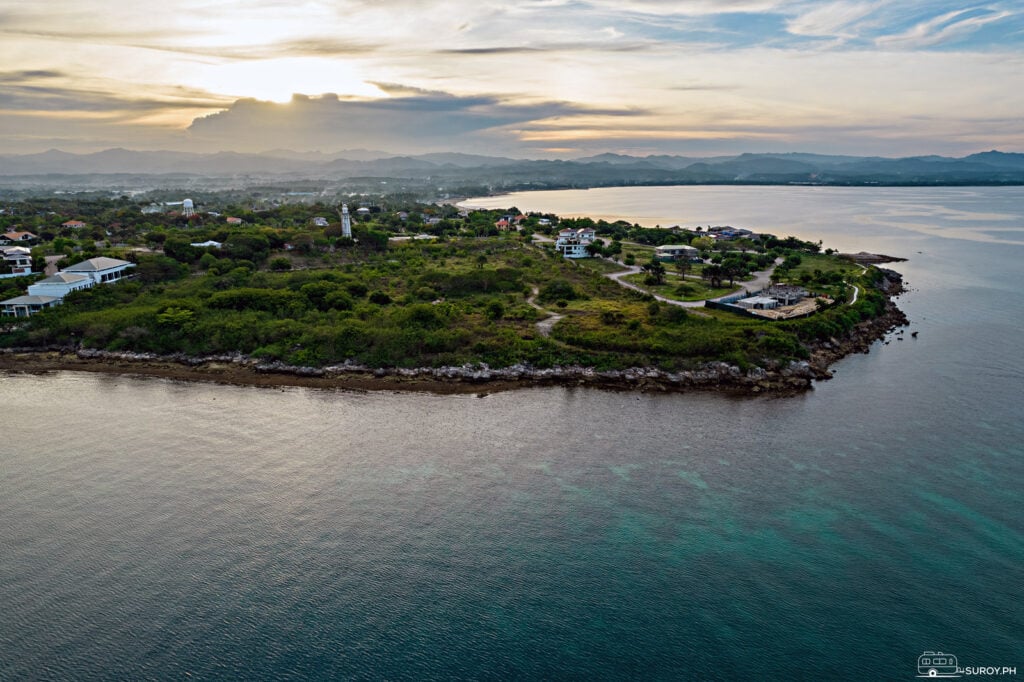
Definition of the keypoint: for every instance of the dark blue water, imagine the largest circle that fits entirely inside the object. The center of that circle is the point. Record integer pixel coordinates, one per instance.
(160, 530)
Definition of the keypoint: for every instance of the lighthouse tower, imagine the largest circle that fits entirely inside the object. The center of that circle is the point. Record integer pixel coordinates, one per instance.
(346, 222)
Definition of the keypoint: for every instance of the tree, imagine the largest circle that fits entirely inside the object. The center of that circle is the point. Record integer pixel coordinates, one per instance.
(714, 274)
(683, 267)
(703, 244)
(655, 272)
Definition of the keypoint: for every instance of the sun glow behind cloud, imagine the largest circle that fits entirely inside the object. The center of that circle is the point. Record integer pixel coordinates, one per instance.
(276, 80)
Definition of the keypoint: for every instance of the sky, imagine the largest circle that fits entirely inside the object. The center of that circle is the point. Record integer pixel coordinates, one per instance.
(526, 79)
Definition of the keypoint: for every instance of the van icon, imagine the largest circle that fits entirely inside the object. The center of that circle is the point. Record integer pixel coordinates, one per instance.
(937, 664)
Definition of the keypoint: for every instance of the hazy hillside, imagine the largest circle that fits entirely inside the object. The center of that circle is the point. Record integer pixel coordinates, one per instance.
(456, 169)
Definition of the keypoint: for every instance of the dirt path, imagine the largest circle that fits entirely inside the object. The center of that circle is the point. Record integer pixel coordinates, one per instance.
(547, 324)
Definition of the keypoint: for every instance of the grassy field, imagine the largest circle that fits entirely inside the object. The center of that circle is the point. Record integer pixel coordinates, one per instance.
(697, 290)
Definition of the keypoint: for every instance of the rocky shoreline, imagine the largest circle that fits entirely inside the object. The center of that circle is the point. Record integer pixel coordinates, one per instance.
(238, 369)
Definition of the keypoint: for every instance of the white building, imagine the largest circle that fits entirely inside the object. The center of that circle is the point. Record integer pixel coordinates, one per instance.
(23, 306)
(574, 243)
(18, 260)
(101, 270)
(60, 285)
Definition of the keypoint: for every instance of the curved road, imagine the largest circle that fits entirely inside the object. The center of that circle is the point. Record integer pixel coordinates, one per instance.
(760, 281)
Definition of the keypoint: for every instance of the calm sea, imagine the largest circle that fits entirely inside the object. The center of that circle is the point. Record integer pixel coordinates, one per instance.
(151, 529)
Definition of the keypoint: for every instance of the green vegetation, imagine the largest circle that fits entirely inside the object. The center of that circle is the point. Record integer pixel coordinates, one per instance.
(279, 288)
(677, 289)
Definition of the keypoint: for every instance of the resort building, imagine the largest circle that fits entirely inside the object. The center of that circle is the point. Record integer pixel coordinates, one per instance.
(52, 290)
(23, 306)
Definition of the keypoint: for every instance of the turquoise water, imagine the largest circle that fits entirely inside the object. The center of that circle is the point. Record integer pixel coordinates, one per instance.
(152, 529)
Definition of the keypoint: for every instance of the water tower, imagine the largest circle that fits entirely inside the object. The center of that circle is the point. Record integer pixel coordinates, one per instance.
(188, 208)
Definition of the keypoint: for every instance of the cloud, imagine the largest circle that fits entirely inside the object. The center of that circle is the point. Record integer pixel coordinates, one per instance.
(694, 8)
(835, 19)
(943, 28)
(410, 120)
(28, 75)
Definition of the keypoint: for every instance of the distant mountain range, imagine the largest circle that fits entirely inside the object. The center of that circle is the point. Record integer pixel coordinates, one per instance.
(986, 168)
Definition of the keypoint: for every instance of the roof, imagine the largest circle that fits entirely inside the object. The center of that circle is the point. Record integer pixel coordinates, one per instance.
(19, 235)
(667, 247)
(73, 222)
(30, 300)
(63, 278)
(96, 264)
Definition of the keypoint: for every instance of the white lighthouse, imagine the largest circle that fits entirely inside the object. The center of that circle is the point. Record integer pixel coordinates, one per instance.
(346, 222)
(188, 208)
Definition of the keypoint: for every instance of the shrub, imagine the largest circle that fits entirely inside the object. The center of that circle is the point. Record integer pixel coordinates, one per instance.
(558, 290)
(280, 264)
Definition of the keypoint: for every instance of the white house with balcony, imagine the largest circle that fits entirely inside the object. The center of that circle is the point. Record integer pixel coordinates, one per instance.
(574, 243)
(17, 261)
(101, 270)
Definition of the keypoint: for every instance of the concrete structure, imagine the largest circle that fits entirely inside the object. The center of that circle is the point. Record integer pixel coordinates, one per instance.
(786, 294)
(757, 303)
(101, 270)
(676, 252)
(346, 222)
(188, 208)
(60, 285)
(24, 306)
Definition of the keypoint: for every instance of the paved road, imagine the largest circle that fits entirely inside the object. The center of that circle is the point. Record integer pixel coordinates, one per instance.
(635, 269)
